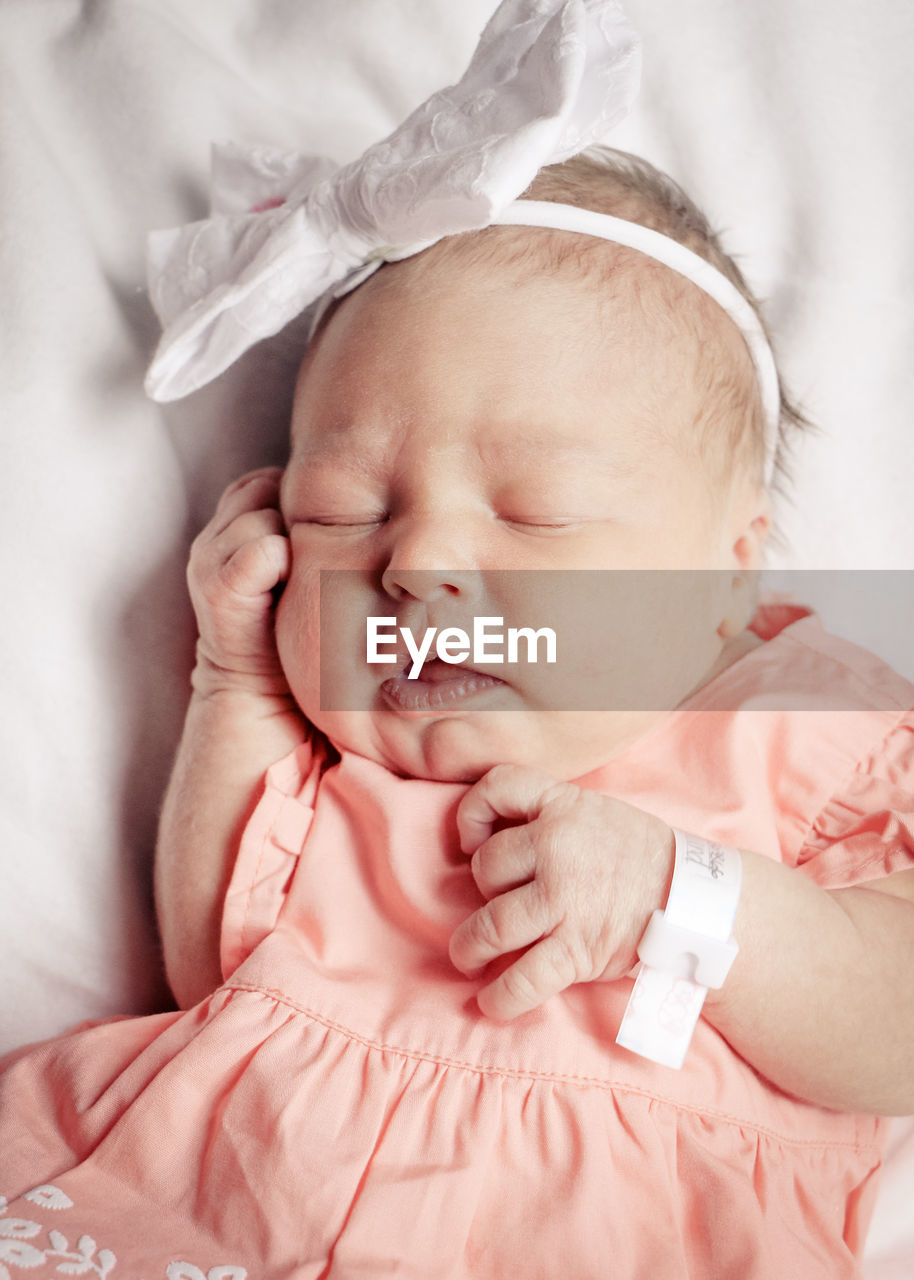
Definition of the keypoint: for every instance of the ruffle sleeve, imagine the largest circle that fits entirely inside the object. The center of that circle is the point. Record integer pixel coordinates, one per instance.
(866, 830)
(268, 852)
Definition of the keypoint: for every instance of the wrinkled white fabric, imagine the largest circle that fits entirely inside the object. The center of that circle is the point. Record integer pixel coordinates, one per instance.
(548, 78)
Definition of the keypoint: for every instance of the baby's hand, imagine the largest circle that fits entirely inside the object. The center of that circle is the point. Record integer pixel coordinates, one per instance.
(572, 885)
(236, 564)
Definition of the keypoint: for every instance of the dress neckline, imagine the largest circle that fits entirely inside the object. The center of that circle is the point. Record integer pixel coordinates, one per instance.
(773, 619)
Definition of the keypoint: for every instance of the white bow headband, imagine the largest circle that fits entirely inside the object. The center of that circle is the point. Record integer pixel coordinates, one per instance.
(548, 79)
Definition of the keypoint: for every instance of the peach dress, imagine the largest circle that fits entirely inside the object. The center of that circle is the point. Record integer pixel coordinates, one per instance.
(339, 1108)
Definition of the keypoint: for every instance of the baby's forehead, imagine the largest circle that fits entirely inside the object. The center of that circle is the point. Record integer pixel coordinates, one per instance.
(594, 287)
(660, 309)
(617, 306)
(599, 292)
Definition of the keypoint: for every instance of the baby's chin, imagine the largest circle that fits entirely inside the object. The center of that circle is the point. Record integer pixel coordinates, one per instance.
(444, 750)
(462, 749)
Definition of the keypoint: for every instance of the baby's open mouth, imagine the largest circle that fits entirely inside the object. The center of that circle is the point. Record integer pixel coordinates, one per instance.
(439, 686)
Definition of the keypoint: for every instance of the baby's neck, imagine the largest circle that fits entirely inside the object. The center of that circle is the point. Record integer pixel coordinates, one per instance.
(735, 648)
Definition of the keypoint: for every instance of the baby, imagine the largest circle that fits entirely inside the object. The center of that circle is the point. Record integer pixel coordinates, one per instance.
(404, 959)
(507, 401)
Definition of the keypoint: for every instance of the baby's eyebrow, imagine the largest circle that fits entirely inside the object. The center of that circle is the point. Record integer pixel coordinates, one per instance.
(350, 454)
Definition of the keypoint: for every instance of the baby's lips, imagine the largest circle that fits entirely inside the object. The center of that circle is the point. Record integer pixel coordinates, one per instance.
(432, 669)
(436, 671)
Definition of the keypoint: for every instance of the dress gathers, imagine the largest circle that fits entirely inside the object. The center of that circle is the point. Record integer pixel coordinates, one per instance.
(340, 1108)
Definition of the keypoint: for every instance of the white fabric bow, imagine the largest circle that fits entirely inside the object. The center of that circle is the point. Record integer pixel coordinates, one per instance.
(548, 78)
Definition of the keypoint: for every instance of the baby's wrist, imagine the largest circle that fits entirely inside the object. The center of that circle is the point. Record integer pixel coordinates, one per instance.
(210, 679)
(686, 950)
(657, 881)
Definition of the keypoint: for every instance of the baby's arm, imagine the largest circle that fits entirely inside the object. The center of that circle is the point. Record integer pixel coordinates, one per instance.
(240, 720)
(819, 998)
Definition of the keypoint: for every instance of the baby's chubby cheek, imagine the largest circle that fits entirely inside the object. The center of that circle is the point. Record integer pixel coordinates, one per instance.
(625, 640)
(321, 640)
(298, 637)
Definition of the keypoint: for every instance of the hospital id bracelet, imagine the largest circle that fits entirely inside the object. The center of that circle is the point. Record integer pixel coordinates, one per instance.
(686, 949)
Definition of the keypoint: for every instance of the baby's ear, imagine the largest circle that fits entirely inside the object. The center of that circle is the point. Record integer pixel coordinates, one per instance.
(750, 526)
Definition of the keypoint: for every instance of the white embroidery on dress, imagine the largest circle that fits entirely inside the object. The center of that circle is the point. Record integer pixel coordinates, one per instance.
(72, 1262)
(48, 1197)
(85, 1257)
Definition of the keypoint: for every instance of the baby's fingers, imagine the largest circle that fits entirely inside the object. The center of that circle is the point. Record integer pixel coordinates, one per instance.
(507, 923)
(258, 566)
(505, 861)
(250, 492)
(537, 975)
(248, 558)
(506, 791)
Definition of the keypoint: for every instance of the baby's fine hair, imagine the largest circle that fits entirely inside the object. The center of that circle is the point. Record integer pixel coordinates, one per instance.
(626, 186)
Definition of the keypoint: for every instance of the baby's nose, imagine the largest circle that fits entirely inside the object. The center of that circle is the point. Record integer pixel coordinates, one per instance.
(430, 558)
(431, 584)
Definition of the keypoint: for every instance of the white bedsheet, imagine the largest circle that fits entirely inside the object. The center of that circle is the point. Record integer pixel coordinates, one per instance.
(791, 122)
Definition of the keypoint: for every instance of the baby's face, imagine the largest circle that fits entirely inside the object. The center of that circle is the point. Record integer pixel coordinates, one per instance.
(453, 429)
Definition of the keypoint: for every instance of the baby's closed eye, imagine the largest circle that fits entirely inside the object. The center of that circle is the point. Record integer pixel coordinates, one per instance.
(342, 520)
(551, 503)
(532, 522)
(334, 507)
